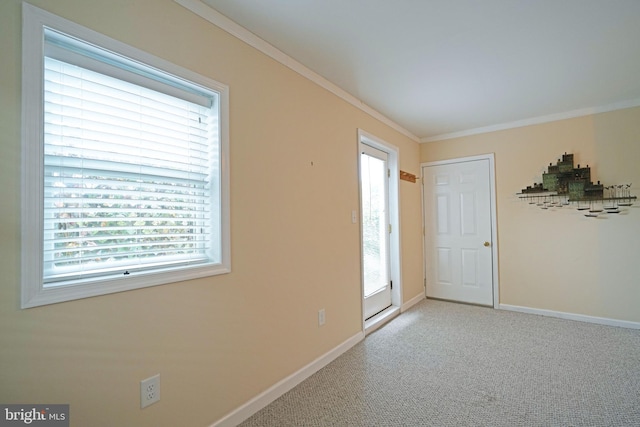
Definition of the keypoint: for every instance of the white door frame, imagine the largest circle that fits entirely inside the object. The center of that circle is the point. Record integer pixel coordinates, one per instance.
(394, 218)
(494, 223)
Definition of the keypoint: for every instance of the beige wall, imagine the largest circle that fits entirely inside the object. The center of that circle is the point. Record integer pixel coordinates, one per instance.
(220, 341)
(561, 260)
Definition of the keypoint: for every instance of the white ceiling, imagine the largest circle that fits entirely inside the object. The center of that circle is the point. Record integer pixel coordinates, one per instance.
(443, 67)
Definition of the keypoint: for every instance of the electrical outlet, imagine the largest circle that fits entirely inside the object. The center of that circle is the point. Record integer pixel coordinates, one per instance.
(321, 318)
(149, 391)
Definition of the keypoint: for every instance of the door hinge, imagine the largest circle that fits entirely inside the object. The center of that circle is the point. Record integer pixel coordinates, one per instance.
(391, 283)
(388, 173)
(389, 228)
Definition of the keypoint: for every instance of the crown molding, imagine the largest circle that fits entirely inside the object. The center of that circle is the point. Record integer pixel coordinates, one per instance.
(219, 20)
(537, 120)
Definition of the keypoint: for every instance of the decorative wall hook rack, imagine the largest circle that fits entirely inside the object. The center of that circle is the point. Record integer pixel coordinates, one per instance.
(406, 176)
(564, 185)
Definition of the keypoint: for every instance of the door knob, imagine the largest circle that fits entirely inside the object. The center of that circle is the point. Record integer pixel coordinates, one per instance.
(487, 244)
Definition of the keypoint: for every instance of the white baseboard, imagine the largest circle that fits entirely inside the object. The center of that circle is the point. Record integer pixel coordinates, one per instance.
(572, 316)
(413, 301)
(240, 414)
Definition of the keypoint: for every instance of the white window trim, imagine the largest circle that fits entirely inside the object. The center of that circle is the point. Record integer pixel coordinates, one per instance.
(33, 292)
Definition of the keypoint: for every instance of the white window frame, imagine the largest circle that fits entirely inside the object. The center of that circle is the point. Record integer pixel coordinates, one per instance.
(34, 293)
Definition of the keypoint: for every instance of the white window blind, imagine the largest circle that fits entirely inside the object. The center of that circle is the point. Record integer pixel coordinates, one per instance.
(130, 174)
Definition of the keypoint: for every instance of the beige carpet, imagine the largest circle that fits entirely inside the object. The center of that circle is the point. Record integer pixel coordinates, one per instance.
(446, 364)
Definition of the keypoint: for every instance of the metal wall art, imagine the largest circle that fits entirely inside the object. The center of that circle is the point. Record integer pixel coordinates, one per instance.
(564, 185)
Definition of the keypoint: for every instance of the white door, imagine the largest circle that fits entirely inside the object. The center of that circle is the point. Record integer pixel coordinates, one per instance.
(374, 207)
(458, 231)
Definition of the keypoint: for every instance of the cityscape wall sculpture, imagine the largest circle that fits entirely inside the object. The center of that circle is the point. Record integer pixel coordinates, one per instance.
(563, 184)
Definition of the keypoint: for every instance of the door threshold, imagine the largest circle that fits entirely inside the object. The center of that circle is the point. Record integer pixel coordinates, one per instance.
(462, 302)
(376, 321)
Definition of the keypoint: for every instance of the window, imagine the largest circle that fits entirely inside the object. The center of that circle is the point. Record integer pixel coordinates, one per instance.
(125, 166)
